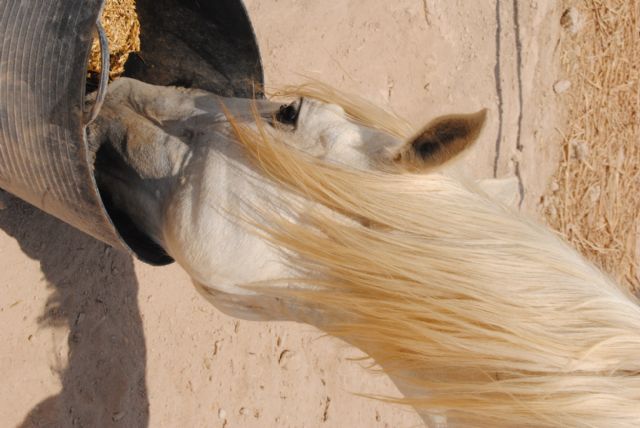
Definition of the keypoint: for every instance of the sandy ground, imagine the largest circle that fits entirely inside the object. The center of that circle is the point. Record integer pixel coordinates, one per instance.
(92, 338)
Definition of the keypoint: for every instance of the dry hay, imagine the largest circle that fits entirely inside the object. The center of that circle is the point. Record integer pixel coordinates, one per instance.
(594, 200)
(121, 25)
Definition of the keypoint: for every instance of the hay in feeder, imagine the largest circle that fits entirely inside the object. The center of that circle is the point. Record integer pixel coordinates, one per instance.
(121, 25)
(594, 200)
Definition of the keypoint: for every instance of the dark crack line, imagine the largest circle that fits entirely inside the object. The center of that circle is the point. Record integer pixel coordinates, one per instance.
(519, 146)
(520, 183)
(498, 78)
(425, 11)
(516, 24)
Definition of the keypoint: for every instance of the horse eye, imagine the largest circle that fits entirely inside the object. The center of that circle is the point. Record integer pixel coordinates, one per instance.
(288, 113)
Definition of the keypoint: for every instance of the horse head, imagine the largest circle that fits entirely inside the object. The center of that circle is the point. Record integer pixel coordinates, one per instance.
(329, 211)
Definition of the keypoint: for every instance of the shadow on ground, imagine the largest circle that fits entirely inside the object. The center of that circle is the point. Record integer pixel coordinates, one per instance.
(94, 295)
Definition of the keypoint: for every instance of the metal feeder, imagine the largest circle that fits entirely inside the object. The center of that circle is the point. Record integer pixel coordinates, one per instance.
(44, 155)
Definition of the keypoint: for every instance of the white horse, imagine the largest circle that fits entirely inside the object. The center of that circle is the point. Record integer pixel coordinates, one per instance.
(328, 211)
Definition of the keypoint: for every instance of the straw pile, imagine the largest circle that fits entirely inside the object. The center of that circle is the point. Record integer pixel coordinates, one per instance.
(122, 28)
(594, 200)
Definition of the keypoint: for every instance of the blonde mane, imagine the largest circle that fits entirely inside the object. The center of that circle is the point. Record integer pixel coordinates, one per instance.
(495, 319)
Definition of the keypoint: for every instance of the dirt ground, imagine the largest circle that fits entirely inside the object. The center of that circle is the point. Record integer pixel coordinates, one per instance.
(93, 338)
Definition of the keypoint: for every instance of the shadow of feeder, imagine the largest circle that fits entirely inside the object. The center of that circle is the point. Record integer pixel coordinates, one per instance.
(44, 155)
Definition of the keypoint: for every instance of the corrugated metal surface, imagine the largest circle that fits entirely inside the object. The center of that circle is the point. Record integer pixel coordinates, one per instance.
(43, 154)
(44, 48)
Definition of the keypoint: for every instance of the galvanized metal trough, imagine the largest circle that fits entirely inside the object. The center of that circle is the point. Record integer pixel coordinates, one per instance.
(44, 49)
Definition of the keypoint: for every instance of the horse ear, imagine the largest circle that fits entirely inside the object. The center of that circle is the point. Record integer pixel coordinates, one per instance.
(440, 141)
